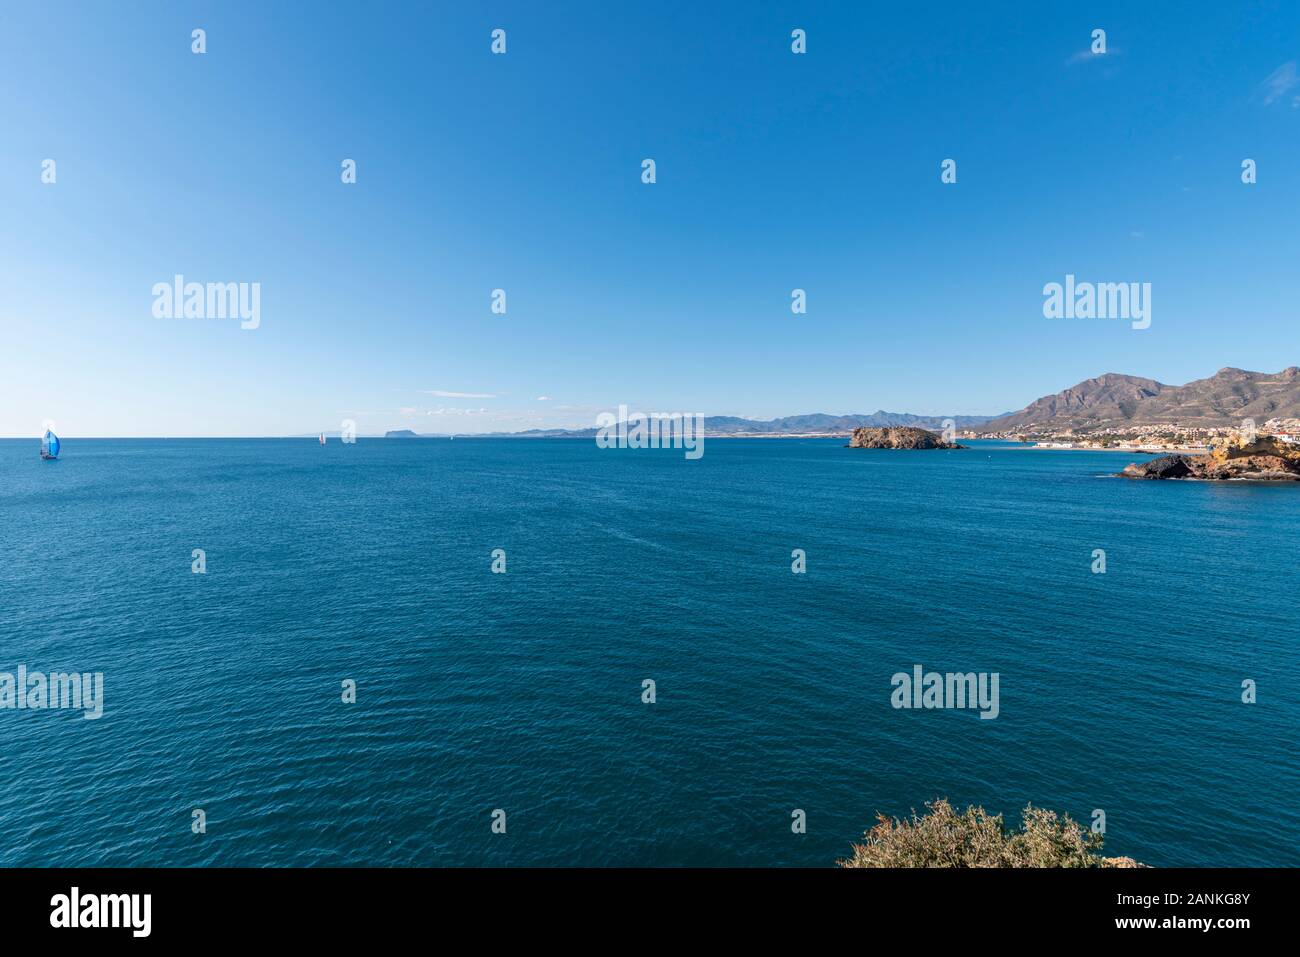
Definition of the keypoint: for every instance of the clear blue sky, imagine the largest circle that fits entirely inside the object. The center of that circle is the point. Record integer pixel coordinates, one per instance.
(522, 171)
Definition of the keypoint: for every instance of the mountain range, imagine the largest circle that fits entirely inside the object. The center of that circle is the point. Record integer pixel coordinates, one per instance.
(815, 423)
(1223, 400)
(1109, 401)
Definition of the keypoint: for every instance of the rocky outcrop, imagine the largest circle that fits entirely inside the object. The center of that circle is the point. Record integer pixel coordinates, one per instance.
(1257, 468)
(1256, 459)
(1167, 467)
(901, 437)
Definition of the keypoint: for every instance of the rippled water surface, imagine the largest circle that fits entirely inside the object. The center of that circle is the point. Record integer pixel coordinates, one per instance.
(522, 691)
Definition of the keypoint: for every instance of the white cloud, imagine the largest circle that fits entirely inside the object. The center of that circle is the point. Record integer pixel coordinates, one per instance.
(447, 410)
(459, 395)
(1280, 82)
(1087, 56)
(543, 398)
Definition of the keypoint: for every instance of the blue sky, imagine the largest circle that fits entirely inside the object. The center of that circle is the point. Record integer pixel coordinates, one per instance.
(523, 172)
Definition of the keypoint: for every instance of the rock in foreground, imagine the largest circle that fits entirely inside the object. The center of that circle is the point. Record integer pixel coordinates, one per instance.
(1263, 459)
(901, 437)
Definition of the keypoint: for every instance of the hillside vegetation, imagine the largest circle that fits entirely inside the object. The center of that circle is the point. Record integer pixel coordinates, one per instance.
(974, 838)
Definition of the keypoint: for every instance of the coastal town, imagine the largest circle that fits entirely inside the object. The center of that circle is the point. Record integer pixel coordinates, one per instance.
(1160, 437)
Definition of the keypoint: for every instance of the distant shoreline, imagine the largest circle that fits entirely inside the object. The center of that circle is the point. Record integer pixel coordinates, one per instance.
(1004, 443)
(1147, 449)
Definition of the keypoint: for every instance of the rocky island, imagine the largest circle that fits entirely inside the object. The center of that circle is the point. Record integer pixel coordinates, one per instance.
(1261, 458)
(901, 437)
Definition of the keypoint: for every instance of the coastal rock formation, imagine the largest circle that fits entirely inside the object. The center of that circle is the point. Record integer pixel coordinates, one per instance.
(901, 437)
(1263, 459)
(1167, 467)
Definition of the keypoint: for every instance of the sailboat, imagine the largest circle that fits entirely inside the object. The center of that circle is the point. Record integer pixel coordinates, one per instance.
(49, 446)
(322, 438)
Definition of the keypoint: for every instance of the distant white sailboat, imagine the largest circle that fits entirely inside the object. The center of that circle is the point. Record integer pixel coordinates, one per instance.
(322, 438)
(49, 446)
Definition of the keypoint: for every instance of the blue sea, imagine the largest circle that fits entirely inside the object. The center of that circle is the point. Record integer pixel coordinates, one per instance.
(522, 691)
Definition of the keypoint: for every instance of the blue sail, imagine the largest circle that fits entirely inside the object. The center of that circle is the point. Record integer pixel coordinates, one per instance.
(50, 444)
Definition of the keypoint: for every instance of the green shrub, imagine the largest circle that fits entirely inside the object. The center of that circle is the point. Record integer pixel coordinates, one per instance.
(974, 838)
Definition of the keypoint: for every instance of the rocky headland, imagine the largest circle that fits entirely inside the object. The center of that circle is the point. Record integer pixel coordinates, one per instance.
(901, 437)
(1259, 459)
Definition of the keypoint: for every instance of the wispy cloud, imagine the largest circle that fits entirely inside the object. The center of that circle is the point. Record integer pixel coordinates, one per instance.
(1087, 56)
(1279, 83)
(543, 398)
(441, 394)
(442, 410)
